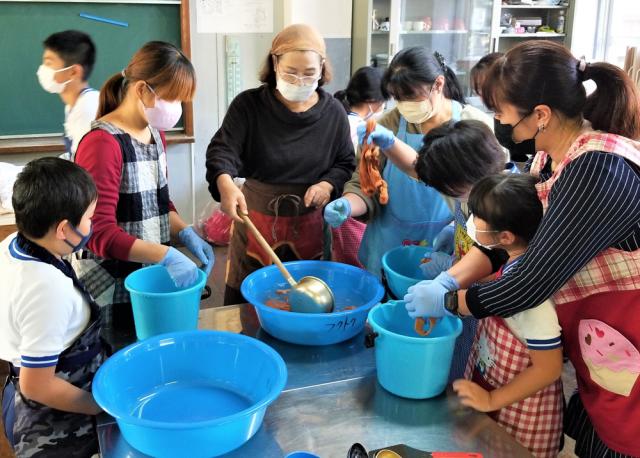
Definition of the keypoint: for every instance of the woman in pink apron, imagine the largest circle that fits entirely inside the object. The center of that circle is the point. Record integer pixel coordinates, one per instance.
(586, 252)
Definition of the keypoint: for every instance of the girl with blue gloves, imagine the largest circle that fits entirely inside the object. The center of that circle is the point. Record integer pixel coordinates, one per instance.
(125, 153)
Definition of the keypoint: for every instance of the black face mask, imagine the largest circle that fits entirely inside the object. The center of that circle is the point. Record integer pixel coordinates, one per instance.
(519, 151)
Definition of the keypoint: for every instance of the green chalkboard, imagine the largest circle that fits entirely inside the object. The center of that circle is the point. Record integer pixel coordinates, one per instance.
(25, 108)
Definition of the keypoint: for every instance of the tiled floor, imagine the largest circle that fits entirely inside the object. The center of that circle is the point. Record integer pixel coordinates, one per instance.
(216, 282)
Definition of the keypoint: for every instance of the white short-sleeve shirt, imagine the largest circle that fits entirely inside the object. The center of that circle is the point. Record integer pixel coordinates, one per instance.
(78, 118)
(41, 312)
(537, 327)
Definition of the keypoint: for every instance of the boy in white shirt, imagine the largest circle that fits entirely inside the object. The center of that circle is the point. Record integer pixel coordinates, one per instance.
(49, 324)
(67, 63)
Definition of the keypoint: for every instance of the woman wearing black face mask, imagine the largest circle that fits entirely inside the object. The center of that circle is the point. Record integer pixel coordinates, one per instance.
(519, 152)
(586, 252)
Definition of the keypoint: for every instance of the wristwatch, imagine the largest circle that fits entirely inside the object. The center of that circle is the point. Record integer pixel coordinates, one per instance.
(451, 303)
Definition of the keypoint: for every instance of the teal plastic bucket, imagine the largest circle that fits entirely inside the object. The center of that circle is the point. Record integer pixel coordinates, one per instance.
(409, 365)
(401, 266)
(159, 306)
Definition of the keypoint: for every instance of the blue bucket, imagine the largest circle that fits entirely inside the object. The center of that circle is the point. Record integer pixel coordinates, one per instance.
(401, 266)
(193, 394)
(159, 306)
(351, 286)
(409, 365)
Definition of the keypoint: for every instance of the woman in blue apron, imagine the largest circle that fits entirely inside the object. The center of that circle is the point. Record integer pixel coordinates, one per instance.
(428, 95)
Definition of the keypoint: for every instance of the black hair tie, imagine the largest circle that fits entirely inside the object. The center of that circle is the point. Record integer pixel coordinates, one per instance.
(440, 58)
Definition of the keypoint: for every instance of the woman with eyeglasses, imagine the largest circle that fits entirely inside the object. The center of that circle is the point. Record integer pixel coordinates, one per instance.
(290, 139)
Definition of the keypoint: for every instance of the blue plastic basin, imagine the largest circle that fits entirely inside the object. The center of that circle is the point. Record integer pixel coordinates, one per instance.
(351, 286)
(159, 306)
(401, 266)
(407, 364)
(195, 393)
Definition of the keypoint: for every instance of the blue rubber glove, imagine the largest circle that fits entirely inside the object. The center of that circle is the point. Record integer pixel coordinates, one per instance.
(439, 263)
(444, 241)
(182, 270)
(337, 212)
(381, 136)
(199, 247)
(426, 299)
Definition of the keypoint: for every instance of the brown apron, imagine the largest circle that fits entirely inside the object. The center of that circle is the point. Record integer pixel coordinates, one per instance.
(293, 230)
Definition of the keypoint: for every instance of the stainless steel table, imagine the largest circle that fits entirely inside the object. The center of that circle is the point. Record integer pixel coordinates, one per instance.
(332, 399)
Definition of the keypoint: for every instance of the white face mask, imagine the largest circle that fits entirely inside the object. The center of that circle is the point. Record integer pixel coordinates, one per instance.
(417, 112)
(293, 92)
(472, 233)
(164, 115)
(46, 78)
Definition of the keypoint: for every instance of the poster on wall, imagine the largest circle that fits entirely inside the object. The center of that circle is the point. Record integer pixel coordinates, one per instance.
(234, 16)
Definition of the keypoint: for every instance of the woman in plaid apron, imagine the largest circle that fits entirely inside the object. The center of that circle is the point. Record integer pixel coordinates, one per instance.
(602, 342)
(586, 252)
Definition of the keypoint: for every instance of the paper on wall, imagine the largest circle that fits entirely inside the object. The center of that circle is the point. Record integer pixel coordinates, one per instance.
(234, 16)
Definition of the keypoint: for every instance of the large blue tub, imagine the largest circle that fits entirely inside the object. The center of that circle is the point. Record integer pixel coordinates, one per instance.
(194, 393)
(351, 286)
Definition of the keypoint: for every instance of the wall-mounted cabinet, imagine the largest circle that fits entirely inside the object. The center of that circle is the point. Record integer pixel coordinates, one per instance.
(539, 20)
(461, 30)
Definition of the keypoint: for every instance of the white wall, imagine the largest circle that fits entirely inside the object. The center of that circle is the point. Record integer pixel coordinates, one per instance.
(332, 18)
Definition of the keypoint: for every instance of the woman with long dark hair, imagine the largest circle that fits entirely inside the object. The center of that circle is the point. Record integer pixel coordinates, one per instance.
(586, 252)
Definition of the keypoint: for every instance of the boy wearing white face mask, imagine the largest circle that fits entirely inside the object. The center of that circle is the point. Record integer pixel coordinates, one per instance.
(515, 363)
(125, 153)
(67, 63)
(50, 326)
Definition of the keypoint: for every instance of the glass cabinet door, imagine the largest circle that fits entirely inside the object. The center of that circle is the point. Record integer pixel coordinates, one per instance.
(460, 30)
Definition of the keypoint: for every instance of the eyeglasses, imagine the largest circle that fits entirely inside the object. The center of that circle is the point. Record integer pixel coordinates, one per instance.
(522, 119)
(304, 80)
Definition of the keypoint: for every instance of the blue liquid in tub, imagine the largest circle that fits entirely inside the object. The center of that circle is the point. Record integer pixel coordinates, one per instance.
(186, 402)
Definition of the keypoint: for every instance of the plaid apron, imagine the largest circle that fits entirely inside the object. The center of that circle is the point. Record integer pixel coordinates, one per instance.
(142, 211)
(345, 242)
(497, 356)
(598, 310)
